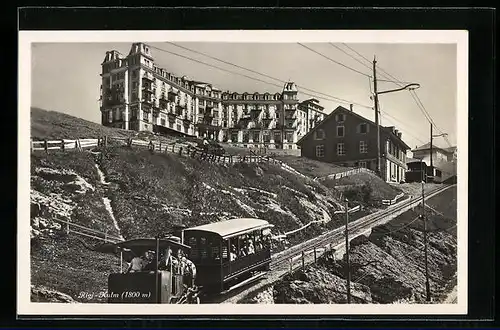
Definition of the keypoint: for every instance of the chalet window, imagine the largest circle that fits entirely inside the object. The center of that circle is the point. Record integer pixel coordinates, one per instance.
(363, 128)
(363, 147)
(319, 134)
(320, 151)
(340, 117)
(340, 131)
(340, 149)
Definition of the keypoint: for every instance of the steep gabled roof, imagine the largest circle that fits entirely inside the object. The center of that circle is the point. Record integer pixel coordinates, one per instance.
(427, 146)
(351, 113)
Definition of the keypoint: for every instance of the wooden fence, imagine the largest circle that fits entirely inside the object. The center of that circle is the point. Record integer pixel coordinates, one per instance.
(343, 174)
(392, 201)
(181, 149)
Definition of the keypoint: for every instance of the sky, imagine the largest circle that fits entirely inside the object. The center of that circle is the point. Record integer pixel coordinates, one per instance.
(65, 77)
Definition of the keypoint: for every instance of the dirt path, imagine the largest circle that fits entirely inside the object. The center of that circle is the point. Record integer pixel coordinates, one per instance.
(106, 200)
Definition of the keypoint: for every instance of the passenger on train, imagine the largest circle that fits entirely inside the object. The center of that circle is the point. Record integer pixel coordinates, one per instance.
(138, 263)
(250, 247)
(242, 253)
(233, 254)
(258, 244)
(188, 270)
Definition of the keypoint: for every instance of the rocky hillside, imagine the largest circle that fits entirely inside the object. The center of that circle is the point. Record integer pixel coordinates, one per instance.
(132, 193)
(388, 265)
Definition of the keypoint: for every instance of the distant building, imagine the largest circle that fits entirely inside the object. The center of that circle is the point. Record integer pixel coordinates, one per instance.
(438, 154)
(138, 95)
(348, 139)
(443, 161)
(314, 113)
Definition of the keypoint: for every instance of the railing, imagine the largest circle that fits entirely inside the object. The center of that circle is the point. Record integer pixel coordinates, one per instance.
(87, 232)
(346, 173)
(392, 201)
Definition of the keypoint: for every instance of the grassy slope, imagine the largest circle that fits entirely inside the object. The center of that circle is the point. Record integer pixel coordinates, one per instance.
(181, 182)
(56, 125)
(61, 262)
(390, 261)
(142, 183)
(380, 189)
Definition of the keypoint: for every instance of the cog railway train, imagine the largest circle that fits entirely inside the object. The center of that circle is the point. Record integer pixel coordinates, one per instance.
(219, 251)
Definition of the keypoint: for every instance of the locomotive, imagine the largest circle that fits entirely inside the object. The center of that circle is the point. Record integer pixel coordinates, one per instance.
(227, 255)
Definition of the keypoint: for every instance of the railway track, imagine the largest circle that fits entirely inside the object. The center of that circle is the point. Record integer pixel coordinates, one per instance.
(336, 236)
(283, 261)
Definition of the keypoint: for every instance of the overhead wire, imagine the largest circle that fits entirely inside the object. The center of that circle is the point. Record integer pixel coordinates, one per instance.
(334, 61)
(401, 83)
(313, 93)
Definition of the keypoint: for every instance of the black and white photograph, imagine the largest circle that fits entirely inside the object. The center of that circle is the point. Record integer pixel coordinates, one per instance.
(247, 172)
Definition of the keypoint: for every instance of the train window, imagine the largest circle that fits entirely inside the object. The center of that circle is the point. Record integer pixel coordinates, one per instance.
(203, 247)
(192, 242)
(225, 253)
(215, 253)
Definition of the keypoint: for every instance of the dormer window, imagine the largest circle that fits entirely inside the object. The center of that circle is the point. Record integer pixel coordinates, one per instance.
(340, 117)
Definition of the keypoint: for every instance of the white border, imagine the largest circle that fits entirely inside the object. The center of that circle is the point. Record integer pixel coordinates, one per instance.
(26, 307)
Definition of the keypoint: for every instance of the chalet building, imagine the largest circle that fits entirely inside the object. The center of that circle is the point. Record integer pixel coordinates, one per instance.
(348, 139)
(138, 95)
(443, 161)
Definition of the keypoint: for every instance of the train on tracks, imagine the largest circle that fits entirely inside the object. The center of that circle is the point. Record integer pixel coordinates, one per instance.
(226, 255)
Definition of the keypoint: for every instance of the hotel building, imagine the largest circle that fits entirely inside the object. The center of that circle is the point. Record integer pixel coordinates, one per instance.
(138, 95)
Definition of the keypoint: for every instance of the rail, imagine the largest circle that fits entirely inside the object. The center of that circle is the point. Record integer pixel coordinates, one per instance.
(88, 232)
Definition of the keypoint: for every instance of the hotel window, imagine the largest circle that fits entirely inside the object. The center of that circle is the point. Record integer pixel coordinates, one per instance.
(289, 137)
(362, 164)
(340, 131)
(319, 134)
(363, 128)
(163, 122)
(267, 136)
(320, 151)
(340, 149)
(363, 147)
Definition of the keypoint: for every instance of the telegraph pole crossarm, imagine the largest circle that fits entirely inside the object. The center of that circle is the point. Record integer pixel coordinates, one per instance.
(376, 93)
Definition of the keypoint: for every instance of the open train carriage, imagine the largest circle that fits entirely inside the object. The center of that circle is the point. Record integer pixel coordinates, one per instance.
(219, 269)
(158, 286)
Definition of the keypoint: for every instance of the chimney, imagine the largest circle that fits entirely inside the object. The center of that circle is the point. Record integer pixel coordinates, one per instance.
(400, 135)
(350, 106)
(396, 132)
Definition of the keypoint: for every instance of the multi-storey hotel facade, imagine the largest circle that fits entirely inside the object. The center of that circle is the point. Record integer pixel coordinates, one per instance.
(137, 95)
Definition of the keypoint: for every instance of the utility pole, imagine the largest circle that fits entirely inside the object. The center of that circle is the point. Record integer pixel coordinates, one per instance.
(375, 96)
(432, 168)
(348, 263)
(427, 284)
